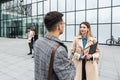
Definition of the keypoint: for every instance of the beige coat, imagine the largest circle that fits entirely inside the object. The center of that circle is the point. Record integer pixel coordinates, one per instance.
(91, 66)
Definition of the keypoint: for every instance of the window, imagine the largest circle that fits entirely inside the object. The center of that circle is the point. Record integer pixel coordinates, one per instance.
(77, 29)
(3, 6)
(34, 9)
(70, 32)
(70, 5)
(80, 17)
(40, 26)
(116, 2)
(91, 4)
(116, 30)
(104, 3)
(62, 36)
(34, 1)
(94, 30)
(40, 8)
(71, 18)
(24, 2)
(104, 33)
(28, 1)
(80, 4)
(92, 16)
(61, 7)
(53, 5)
(105, 15)
(116, 14)
(46, 8)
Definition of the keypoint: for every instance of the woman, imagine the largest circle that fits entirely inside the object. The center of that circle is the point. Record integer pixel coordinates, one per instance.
(30, 36)
(86, 64)
(35, 37)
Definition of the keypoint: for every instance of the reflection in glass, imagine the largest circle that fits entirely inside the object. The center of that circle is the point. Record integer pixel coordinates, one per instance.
(29, 1)
(80, 17)
(21, 11)
(8, 5)
(105, 15)
(92, 16)
(16, 15)
(24, 21)
(80, 4)
(62, 36)
(24, 2)
(104, 3)
(116, 14)
(40, 26)
(40, 0)
(15, 3)
(34, 9)
(77, 29)
(116, 2)
(70, 32)
(116, 30)
(104, 33)
(24, 32)
(40, 8)
(91, 4)
(34, 1)
(2, 31)
(34, 20)
(29, 22)
(53, 5)
(71, 18)
(61, 7)
(3, 6)
(64, 17)
(2, 12)
(46, 8)
(1, 23)
(94, 30)
(70, 5)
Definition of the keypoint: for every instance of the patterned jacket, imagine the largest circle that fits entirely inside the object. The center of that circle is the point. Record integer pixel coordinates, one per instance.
(64, 69)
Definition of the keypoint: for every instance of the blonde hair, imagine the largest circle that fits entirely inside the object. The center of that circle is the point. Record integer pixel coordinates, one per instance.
(89, 33)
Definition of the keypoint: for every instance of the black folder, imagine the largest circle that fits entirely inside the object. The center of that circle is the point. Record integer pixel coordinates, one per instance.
(93, 48)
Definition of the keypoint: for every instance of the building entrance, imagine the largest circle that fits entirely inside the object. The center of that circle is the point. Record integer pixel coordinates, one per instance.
(11, 32)
(15, 30)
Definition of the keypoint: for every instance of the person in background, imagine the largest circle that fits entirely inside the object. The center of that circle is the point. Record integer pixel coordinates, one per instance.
(63, 69)
(35, 37)
(30, 36)
(86, 64)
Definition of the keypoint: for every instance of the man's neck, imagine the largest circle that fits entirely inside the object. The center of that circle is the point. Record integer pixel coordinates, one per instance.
(55, 34)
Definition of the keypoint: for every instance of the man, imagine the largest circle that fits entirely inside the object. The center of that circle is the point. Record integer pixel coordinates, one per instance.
(63, 68)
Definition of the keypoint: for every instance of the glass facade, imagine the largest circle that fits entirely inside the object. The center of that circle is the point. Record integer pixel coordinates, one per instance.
(17, 15)
(103, 15)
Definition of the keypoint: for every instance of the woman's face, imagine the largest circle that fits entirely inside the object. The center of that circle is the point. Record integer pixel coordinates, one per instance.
(83, 29)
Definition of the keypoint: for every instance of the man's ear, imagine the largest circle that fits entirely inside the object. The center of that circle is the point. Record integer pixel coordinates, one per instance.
(59, 27)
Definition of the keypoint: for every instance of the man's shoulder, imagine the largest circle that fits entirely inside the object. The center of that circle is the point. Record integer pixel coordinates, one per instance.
(40, 39)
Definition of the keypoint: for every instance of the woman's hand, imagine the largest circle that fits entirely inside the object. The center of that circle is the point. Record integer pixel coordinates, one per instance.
(87, 55)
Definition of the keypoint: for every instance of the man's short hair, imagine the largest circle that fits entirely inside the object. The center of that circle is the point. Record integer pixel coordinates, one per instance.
(51, 19)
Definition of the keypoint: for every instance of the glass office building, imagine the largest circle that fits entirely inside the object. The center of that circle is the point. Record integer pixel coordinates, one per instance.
(103, 15)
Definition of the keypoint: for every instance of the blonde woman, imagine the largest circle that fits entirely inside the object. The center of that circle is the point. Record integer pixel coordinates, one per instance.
(86, 64)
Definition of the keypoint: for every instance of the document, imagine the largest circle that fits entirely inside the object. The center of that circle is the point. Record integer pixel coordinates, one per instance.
(93, 48)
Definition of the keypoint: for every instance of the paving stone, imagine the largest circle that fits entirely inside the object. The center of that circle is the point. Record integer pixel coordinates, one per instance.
(15, 64)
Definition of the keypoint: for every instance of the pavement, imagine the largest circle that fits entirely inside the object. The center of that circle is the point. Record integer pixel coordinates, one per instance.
(15, 64)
